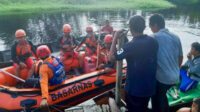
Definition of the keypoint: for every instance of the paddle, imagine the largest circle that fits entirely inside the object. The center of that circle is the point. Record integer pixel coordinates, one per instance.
(22, 80)
(98, 45)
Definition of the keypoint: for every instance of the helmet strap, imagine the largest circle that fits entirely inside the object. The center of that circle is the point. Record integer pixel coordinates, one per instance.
(43, 58)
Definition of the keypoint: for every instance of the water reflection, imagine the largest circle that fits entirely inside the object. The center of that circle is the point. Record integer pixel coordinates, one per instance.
(48, 27)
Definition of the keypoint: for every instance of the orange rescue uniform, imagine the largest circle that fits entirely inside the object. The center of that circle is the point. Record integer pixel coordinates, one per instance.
(46, 73)
(71, 60)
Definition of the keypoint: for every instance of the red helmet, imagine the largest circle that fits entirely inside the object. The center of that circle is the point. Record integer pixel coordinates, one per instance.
(108, 39)
(66, 28)
(89, 28)
(43, 51)
(20, 33)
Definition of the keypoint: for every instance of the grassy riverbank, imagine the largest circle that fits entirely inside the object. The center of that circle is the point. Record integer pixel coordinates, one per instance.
(48, 6)
(185, 2)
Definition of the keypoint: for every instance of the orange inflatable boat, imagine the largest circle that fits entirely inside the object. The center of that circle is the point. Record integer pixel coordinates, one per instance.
(73, 91)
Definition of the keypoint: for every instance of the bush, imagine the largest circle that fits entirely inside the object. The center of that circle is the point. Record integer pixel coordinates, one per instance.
(185, 2)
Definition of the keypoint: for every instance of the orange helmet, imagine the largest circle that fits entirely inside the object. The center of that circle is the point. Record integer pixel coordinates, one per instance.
(20, 33)
(43, 51)
(66, 28)
(108, 39)
(89, 28)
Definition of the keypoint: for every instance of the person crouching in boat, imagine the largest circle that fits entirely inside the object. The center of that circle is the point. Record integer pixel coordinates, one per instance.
(190, 72)
(67, 38)
(72, 60)
(194, 108)
(107, 65)
(21, 52)
(90, 40)
(51, 72)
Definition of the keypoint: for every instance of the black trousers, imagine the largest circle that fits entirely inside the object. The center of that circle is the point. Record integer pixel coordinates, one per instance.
(159, 100)
(136, 104)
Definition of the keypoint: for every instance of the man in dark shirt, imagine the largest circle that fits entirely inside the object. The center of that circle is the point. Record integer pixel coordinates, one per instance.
(141, 56)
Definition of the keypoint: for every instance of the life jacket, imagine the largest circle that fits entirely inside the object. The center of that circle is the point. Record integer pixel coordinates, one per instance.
(64, 40)
(23, 50)
(58, 71)
(71, 60)
(38, 63)
(91, 42)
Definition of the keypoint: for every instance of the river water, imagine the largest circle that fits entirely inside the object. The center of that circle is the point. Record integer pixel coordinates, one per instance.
(43, 28)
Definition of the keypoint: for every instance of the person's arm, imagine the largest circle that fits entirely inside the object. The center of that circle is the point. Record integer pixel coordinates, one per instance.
(14, 54)
(194, 67)
(180, 58)
(120, 54)
(113, 49)
(184, 109)
(33, 50)
(81, 43)
(74, 41)
(44, 77)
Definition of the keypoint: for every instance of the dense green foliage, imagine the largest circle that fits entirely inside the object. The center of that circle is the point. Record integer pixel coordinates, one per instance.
(185, 2)
(38, 6)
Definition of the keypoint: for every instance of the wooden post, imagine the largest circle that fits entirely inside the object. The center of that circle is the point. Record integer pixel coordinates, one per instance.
(119, 75)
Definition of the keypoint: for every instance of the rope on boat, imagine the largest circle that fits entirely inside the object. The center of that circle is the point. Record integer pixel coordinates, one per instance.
(56, 108)
(35, 109)
(78, 107)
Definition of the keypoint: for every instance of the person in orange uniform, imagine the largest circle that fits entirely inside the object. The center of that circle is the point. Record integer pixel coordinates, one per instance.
(51, 72)
(72, 60)
(90, 40)
(67, 38)
(21, 52)
(107, 65)
(107, 29)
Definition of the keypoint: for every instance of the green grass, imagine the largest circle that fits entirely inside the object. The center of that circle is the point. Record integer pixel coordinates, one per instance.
(48, 6)
(185, 2)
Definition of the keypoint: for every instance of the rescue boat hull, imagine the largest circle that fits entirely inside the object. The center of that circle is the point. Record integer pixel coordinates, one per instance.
(73, 91)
